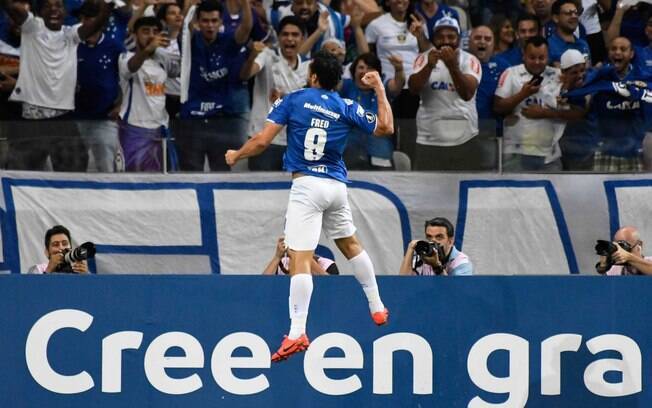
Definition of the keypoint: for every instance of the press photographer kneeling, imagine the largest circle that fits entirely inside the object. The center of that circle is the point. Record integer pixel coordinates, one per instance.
(623, 256)
(436, 255)
(62, 258)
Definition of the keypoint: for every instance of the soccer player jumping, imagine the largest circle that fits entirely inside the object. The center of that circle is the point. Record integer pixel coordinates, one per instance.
(318, 122)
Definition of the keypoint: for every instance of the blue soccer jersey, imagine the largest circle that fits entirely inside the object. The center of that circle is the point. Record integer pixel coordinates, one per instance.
(318, 124)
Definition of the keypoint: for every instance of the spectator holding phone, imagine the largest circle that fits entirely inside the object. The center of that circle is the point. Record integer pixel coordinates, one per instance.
(527, 96)
(143, 116)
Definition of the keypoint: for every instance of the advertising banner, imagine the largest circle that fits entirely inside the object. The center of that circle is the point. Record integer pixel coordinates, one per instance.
(205, 341)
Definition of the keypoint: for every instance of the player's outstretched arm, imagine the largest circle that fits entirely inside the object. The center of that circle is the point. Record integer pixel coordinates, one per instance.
(385, 121)
(254, 146)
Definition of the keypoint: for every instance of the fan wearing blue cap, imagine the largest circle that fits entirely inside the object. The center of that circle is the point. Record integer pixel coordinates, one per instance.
(446, 78)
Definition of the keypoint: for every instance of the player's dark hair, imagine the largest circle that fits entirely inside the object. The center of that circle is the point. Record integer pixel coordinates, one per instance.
(149, 21)
(368, 58)
(441, 222)
(57, 229)
(291, 20)
(208, 6)
(327, 68)
(536, 42)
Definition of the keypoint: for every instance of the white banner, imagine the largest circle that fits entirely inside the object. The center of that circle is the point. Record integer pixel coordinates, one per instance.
(229, 223)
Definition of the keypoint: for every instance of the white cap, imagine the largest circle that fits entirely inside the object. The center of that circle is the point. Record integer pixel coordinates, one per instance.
(446, 21)
(334, 40)
(570, 58)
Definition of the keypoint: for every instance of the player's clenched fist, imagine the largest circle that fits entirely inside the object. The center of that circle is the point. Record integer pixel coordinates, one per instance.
(231, 157)
(372, 80)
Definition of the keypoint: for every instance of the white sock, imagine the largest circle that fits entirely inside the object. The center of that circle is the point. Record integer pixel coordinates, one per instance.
(363, 270)
(299, 301)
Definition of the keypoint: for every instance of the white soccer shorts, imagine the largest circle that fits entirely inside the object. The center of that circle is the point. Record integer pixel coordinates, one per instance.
(317, 201)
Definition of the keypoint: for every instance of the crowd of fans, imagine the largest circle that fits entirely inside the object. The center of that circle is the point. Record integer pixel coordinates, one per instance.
(563, 82)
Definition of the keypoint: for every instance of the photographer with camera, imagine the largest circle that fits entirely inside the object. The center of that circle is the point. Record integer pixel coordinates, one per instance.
(280, 262)
(623, 256)
(436, 255)
(62, 258)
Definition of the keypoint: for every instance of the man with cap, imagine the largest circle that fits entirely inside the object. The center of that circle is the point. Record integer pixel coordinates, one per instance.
(446, 78)
(580, 138)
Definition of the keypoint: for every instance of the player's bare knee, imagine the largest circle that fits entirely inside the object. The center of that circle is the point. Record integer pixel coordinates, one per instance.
(299, 261)
(349, 246)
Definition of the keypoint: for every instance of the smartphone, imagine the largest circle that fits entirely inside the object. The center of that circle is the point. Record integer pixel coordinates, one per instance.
(536, 80)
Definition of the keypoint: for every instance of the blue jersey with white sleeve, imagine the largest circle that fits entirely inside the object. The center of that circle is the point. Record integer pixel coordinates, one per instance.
(318, 124)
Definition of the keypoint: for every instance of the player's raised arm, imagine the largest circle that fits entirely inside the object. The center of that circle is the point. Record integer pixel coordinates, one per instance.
(254, 146)
(385, 121)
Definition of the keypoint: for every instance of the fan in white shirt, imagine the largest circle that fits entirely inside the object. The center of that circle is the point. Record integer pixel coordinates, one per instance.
(447, 78)
(278, 72)
(389, 35)
(46, 86)
(48, 69)
(527, 95)
(142, 78)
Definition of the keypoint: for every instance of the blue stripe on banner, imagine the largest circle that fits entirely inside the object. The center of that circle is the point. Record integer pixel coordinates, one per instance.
(612, 200)
(562, 227)
(206, 202)
(208, 220)
(9, 229)
(394, 199)
(555, 205)
(92, 265)
(2, 231)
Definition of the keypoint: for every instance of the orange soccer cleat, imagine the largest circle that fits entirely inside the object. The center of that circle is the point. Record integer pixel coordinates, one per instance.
(291, 346)
(380, 318)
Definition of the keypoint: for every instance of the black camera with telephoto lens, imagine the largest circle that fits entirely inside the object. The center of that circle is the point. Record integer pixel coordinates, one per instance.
(427, 248)
(608, 248)
(70, 256)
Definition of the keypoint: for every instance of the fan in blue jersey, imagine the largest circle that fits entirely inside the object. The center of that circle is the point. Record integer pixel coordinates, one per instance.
(527, 26)
(318, 122)
(620, 106)
(566, 17)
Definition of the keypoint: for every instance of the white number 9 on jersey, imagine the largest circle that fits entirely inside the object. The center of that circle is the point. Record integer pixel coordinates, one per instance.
(314, 144)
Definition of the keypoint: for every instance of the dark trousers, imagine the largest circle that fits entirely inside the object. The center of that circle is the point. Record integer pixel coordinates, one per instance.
(32, 141)
(477, 154)
(405, 107)
(197, 139)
